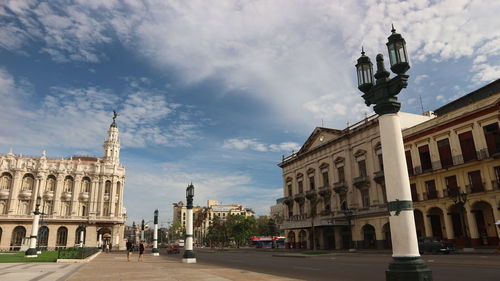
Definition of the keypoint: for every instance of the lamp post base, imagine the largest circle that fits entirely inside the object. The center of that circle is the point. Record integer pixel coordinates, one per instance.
(155, 252)
(189, 260)
(30, 253)
(408, 269)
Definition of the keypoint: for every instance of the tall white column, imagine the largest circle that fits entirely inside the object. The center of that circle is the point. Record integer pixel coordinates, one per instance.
(81, 238)
(155, 241)
(404, 234)
(188, 244)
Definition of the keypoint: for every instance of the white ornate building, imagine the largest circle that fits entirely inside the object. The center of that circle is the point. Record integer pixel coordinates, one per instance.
(77, 191)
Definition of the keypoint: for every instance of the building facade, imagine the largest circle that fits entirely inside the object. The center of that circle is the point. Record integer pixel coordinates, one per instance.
(203, 216)
(334, 191)
(77, 192)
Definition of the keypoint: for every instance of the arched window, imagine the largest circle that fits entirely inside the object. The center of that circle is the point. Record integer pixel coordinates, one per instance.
(6, 181)
(62, 236)
(43, 236)
(107, 188)
(86, 184)
(3, 207)
(65, 209)
(18, 235)
(28, 182)
(51, 183)
(78, 233)
(105, 211)
(84, 210)
(68, 184)
(47, 207)
(23, 208)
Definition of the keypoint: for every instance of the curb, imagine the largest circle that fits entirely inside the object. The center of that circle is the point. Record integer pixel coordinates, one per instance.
(79, 260)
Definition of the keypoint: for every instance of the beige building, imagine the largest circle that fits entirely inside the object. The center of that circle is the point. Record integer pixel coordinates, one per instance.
(335, 183)
(80, 190)
(203, 216)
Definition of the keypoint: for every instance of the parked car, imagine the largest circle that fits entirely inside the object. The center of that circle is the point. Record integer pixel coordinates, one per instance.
(174, 249)
(434, 245)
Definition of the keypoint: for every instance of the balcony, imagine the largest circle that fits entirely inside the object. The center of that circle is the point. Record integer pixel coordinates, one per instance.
(299, 197)
(48, 195)
(84, 196)
(311, 194)
(495, 184)
(325, 213)
(430, 195)
(298, 217)
(66, 196)
(4, 193)
(361, 181)
(106, 196)
(456, 160)
(475, 188)
(287, 200)
(451, 191)
(340, 187)
(378, 177)
(325, 191)
(25, 194)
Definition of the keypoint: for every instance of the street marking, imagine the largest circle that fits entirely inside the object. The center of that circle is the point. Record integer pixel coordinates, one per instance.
(306, 268)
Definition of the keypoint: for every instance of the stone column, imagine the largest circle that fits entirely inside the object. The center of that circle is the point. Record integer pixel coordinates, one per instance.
(14, 194)
(155, 235)
(112, 198)
(76, 194)
(427, 225)
(448, 225)
(34, 194)
(93, 197)
(338, 238)
(100, 201)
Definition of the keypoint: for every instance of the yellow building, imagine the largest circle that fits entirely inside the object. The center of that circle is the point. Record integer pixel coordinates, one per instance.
(335, 183)
(76, 192)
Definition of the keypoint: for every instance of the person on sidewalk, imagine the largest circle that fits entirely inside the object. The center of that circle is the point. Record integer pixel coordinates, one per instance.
(130, 248)
(498, 247)
(141, 251)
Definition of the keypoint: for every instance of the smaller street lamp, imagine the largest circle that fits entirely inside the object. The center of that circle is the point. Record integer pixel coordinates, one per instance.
(189, 256)
(155, 235)
(398, 56)
(32, 252)
(459, 199)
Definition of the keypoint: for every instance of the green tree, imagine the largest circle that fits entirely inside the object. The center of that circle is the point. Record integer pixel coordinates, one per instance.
(177, 231)
(241, 229)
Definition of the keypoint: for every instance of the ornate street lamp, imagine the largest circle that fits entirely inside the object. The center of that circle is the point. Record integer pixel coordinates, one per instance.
(155, 235)
(189, 256)
(32, 252)
(406, 264)
(459, 199)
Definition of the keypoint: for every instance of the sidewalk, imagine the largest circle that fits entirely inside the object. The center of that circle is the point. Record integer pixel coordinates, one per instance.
(114, 266)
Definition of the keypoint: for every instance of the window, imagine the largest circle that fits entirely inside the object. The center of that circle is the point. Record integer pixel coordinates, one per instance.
(476, 183)
(380, 162)
(384, 192)
(362, 168)
(24, 207)
(343, 202)
(3, 207)
(86, 185)
(326, 182)
(425, 158)
(414, 193)
(301, 187)
(301, 208)
(451, 185)
(365, 197)
(290, 210)
(47, 207)
(290, 190)
(430, 186)
(83, 211)
(445, 153)
(28, 182)
(5, 181)
(107, 188)
(51, 184)
(496, 181)
(341, 174)
(467, 146)
(409, 163)
(311, 183)
(68, 184)
(65, 209)
(492, 136)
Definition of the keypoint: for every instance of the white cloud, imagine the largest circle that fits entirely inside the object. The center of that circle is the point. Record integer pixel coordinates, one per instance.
(57, 119)
(253, 144)
(288, 54)
(227, 188)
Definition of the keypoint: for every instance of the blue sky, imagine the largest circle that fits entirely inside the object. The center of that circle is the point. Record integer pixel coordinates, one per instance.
(214, 92)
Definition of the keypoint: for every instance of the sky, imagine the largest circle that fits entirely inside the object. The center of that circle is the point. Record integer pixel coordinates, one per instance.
(215, 92)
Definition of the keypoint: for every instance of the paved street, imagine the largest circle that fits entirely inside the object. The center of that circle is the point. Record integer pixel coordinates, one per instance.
(37, 271)
(351, 266)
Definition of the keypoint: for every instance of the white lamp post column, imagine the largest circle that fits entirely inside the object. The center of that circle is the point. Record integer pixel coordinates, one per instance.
(155, 251)
(407, 264)
(31, 252)
(189, 256)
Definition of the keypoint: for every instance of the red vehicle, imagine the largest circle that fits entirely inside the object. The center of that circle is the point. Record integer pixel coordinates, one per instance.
(173, 249)
(267, 241)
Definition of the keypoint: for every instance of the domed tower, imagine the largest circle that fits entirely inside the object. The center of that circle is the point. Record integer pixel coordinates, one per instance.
(112, 143)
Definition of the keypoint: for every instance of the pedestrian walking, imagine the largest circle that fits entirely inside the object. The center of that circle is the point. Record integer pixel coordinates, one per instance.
(141, 251)
(130, 248)
(497, 250)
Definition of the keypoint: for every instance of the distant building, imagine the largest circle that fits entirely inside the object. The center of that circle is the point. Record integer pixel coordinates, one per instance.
(203, 216)
(76, 191)
(277, 213)
(335, 184)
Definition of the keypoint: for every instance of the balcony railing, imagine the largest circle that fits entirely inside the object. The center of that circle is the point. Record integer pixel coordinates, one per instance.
(451, 191)
(340, 187)
(299, 197)
(456, 160)
(378, 177)
(325, 191)
(361, 181)
(298, 217)
(495, 184)
(311, 194)
(475, 188)
(430, 195)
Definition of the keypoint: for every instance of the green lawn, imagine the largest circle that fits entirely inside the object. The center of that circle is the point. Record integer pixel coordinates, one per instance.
(46, 256)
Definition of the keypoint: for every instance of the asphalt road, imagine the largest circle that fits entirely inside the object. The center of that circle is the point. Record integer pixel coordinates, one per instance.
(350, 266)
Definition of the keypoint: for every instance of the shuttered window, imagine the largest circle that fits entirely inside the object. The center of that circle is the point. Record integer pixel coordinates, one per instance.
(467, 146)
